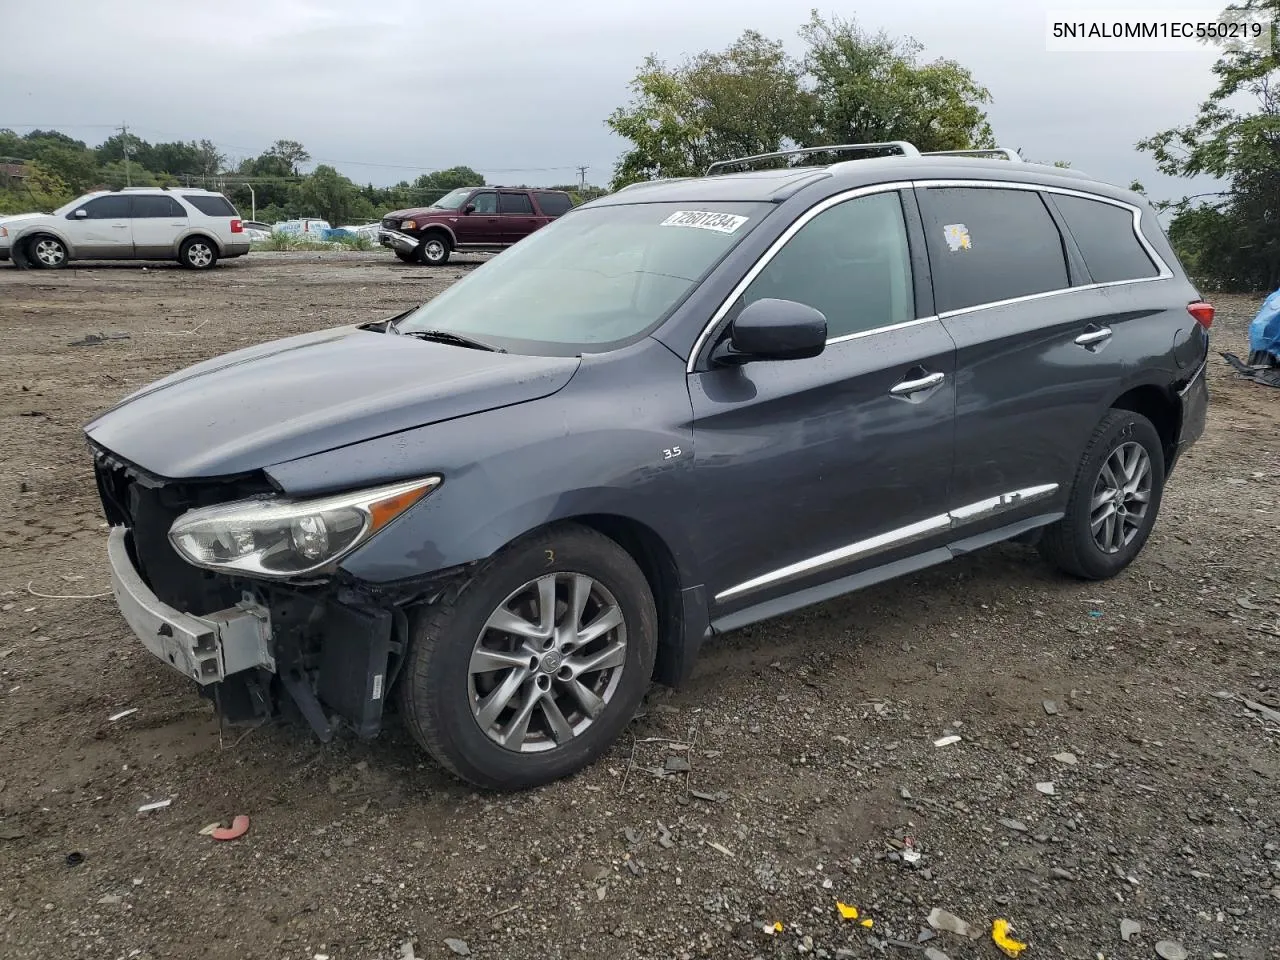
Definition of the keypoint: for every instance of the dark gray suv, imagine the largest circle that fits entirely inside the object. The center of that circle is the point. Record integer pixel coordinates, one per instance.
(677, 410)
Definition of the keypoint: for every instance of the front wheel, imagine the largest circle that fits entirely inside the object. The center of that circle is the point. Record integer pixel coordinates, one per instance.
(1114, 500)
(198, 254)
(530, 672)
(47, 252)
(435, 250)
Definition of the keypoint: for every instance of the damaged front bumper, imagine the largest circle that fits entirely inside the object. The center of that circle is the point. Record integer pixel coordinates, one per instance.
(398, 241)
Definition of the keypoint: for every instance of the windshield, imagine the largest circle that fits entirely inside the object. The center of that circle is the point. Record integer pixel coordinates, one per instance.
(453, 199)
(591, 280)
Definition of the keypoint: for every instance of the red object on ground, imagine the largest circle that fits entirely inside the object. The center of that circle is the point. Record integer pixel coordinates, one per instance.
(239, 827)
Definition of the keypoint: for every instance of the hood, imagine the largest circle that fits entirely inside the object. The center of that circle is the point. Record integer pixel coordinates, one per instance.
(303, 395)
(417, 213)
(20, 218)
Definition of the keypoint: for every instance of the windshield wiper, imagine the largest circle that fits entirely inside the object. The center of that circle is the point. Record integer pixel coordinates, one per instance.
(447, 336)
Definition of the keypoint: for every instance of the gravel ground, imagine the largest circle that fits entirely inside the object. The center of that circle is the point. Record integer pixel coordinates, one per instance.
(1108, 768)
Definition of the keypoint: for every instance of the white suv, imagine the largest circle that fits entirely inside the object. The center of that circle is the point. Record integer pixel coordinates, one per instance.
(194, 227)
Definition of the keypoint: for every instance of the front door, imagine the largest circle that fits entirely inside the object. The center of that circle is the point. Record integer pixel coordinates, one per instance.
(518, 216)
(813, 470)
(158, 222)
(101, 228)
(482, 226)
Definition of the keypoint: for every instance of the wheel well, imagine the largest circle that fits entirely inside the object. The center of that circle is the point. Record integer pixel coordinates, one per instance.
(201, 236)
(438, 231)
(659, 568)
(1158, 407)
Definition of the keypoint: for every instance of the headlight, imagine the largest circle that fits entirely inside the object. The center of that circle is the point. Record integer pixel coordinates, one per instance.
(4, 231)
(408, 224)
(287, 538)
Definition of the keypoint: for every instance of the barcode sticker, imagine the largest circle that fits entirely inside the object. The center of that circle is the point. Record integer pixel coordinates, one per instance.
(705, 220)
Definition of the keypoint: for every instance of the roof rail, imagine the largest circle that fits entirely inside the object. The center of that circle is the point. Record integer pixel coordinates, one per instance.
(1004, 152)
(904, 148)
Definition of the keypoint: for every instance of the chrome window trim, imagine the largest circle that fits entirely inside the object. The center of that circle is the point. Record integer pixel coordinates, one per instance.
(1164, 271)
(900, 536)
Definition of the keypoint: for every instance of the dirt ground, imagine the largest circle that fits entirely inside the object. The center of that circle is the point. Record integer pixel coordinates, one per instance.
(811, 738)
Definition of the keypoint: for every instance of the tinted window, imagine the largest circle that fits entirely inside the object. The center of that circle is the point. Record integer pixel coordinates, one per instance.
(147, 207)
(485, 202)
(214, 205)
(108, 208)
(1104, 234)
(987, 245)
(554, 204)
(851, 262)
(517, 203)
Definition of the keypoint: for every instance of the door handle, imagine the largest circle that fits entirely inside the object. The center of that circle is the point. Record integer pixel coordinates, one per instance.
(1093, 337)
(908, 387)
(119, 226)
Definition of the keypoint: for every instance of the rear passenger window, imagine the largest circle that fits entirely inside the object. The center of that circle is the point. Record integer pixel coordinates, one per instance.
(517, 204)
(211, 205)
(988, 244)
(554, 204)
(156, 207)
(850, 262)
(1104, 234)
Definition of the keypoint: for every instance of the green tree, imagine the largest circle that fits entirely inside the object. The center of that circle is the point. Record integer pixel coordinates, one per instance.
(1230, 238)
(330, 194)
(451, 179)
(873, 88)
(291, 152)
(43, 191)
(76, 167)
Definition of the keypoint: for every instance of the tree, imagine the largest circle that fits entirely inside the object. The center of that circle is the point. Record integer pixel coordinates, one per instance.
(451, 179)
(329, 194)
(745, 100)
(1229, 238)
(873, 88)
(43, 191)
(291, 152)
(74, 166)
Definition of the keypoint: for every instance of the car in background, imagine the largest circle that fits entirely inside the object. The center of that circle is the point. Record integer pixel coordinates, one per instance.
(470, 219)
(195, 227)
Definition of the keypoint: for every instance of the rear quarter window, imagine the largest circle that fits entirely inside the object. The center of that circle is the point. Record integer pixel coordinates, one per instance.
(554, 204)
(988, 244)
(1104, 233)
(214, 205)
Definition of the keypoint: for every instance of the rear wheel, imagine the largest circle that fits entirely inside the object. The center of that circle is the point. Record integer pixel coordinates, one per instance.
(47, 252)
(435, 250)
(1114, 500)
(535, 667)
(198, 253)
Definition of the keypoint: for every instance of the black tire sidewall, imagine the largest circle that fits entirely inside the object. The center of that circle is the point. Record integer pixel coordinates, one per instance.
(439, 661)
(1127, 426)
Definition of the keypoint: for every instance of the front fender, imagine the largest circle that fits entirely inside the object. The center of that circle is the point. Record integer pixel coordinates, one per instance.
(25, 232)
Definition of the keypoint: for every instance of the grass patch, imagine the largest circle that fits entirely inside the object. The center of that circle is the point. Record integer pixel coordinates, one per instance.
(292, 241)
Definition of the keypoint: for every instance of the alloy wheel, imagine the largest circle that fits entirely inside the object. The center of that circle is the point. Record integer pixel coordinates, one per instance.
(1121, 496)
(199, 254)
(50, 252)
(433, 251)
(547, 662)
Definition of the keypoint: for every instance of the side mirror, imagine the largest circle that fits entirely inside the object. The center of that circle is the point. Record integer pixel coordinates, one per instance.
(469, 209)
(773, 330)
(81, 213)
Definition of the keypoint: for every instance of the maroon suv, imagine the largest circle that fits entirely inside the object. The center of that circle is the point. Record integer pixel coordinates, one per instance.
(470, 218)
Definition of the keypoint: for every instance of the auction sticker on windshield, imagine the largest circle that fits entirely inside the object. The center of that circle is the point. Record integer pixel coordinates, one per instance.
(705, 220)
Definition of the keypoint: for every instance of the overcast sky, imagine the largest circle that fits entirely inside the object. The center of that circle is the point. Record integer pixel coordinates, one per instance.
(389, 89)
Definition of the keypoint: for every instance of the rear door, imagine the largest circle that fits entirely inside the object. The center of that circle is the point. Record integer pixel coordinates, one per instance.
(519, 219)
(812, 470)
(158, 222)
(102, 229)
(482, 226)
(1031, 368)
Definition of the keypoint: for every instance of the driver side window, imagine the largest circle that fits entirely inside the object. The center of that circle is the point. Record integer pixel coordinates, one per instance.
(485, 203)
(851, 262)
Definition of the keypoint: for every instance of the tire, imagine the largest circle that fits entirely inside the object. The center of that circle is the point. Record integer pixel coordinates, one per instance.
(435, 250)
(47, 252)
(198, 253)
(406, 257)
(449, 708)
(1121, 439)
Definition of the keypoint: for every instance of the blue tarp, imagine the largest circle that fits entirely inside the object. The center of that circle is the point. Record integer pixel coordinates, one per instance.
(1264, 331)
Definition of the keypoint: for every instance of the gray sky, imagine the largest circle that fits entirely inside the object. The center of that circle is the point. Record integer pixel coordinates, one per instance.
(389, 89)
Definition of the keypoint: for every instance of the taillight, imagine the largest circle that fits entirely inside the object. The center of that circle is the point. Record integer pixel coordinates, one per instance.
(1203, 312)
(237, 226)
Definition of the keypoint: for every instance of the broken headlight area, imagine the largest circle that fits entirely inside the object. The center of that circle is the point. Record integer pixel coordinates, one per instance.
(281, 538)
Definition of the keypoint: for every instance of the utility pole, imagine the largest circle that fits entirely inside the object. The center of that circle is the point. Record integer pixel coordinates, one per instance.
(124, 143)
(582, 178)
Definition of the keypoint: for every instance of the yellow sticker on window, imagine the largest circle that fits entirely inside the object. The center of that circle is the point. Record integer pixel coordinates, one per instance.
(957, 237)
